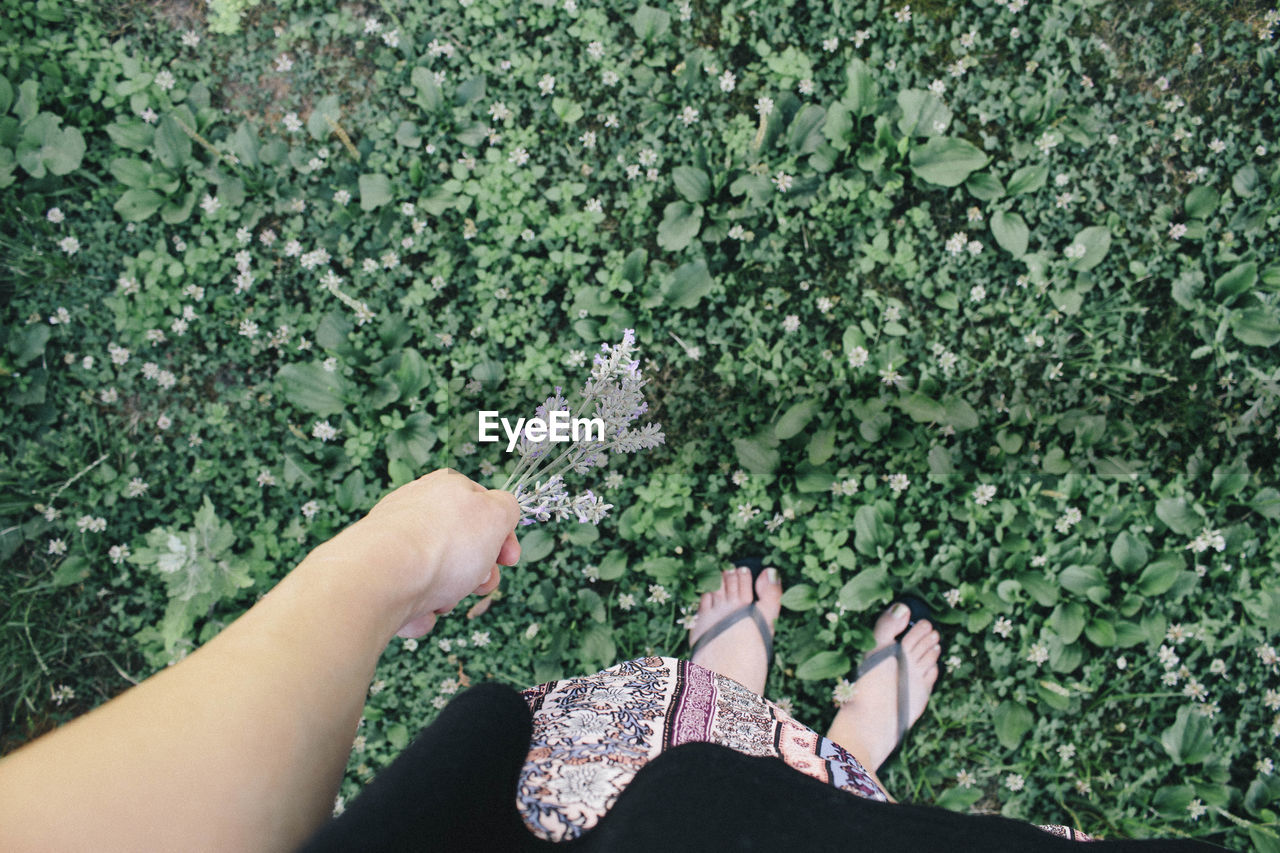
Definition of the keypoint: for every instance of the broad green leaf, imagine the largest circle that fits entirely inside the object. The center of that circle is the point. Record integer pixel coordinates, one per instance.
(800, 597)
(1011, 232)
(1245, 181)
(804, 134)
(650, 23)
(960, 415)
(824, 666)
(429, 96)
(1190, 739)
(411, 373)
(1101, 633)
(870, 530)
(984, 186)
(922, 409)
(1028, 179)
(72, 570)
(177, 210)
(796, 418)
(535, 545)
(473, 89)
(136, 205)
(173, 146)
(596, 647)
(6, 95)
(681, 222)
(407, 134)
(959, 799)
(924, 114)
(946, 161)
(132, 134)
(614, 565)
(634, 266)
(1088, 581)
(1229, 480)
(26, 343)
(1159, 576)
(1172, 801)
(1128, 552)
(755, 455)
(1266, 503)
(860, 88)
(312, 388)
(941, 466)
(689, 284)
(838, 125)
(1235, 282)
(1096, 241)
(1201, 202)
(692, 183)
(1013, 721)
(568, 111)
(1045, 593)
(823, 444)
(1180, 517)
(375, 191)
(325, 113)
(1255, 326)
(1067, 621)
(866, 589)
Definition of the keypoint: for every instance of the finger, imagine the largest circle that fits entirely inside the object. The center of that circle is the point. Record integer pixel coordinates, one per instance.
(509, 554)
(490, 583)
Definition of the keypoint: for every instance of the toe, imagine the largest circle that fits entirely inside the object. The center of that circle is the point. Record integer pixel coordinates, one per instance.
(918, 640)
(890, 624)
(738, 586)
(769, 593)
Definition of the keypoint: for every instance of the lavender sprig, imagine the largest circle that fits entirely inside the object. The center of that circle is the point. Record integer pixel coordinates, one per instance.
(613, 393)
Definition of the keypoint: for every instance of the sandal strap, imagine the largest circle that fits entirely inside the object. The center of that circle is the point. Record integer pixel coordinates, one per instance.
(748, 610)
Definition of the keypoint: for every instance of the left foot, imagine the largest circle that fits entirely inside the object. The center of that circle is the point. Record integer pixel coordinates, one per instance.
(739, 652)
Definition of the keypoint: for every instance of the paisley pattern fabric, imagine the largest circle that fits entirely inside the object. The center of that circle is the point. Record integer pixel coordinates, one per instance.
(592, 734)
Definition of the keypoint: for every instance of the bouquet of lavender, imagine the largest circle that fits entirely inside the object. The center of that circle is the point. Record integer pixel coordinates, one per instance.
(613, 396)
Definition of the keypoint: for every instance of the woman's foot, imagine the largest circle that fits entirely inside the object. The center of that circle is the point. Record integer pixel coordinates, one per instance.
(867, 725)
(739, 652)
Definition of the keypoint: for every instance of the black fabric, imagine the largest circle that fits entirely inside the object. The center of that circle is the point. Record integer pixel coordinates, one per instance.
(454, 787)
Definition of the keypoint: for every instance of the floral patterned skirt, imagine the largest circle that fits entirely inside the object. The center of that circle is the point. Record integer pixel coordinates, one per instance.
(592, 734)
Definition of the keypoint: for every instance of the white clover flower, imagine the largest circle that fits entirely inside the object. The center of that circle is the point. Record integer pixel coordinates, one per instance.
(688, 116)
(54, 215)
(903, 15)
(899, 483)
(69, 244)
(952, 597)
(790, 323)
(1038, 653)
(858, 356)
(782, 181)
(1003, 627)
(843, 692)
(57, 546)
(832, 44)
(728, 81)
(164, 80)
(324, 431)
(658, 594)
(984, 494)
(547, 84)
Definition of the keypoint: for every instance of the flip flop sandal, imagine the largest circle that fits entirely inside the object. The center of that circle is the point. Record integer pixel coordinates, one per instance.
(756, 564)
(919, 612)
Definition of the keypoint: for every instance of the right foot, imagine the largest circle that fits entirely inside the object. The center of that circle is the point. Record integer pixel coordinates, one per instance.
(738, 653)
(867, 725)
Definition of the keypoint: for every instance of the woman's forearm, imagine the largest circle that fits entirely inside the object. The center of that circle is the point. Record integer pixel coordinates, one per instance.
(241, 746)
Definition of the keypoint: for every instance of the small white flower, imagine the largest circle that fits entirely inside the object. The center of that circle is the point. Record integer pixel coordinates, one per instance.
(283, 63)
(764, 105)
(165, 80)
(310, 508)
(782, 181)
(324, 431)
(728, 81)
(984, 494)
(547, 84)
(54, 215)
(69, 244)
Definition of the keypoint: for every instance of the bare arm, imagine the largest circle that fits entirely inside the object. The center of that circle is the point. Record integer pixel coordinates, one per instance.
(241, 746)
